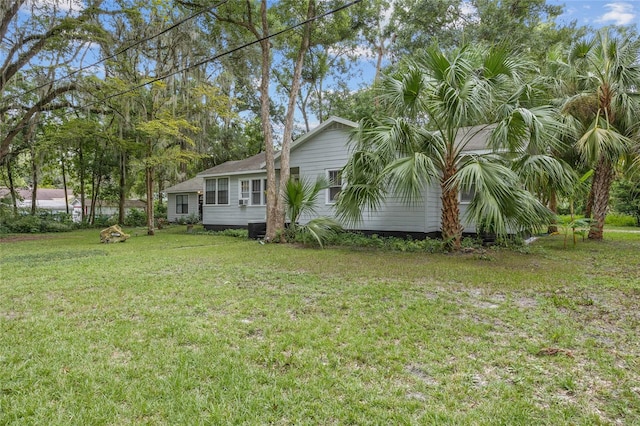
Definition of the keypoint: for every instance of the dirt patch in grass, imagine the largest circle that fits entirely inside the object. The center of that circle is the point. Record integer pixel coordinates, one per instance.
(23, 237)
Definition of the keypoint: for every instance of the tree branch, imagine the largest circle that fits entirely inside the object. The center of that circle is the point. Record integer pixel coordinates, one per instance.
(37, 107)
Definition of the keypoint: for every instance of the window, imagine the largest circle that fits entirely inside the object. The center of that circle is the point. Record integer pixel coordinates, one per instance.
(335, 185)
(223, 191)
(467, 196)
(210, 191)
(256, 192)
(217, 191)
(294, 174)
(244, 189)
(182, 204)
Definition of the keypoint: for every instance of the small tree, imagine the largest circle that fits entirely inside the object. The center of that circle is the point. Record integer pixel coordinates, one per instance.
(300, 199)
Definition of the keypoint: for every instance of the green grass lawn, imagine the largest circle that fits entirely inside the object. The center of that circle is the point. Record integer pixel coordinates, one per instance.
(200, 329)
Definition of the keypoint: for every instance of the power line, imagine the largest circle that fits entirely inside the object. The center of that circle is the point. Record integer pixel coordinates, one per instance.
(121, 51)
(220, 55)
(213, 58)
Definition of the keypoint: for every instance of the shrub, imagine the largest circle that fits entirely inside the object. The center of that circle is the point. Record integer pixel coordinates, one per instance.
(237, 233)
(35, 224)
(358, 240)
(135, 217)
(192, 219)
(26, 225)
(104, 221)
(625, 198)
(53, 226)
(621, 219)
(160, 210)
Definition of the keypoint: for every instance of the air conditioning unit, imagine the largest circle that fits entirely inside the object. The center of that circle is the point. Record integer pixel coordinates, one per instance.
(243, 202)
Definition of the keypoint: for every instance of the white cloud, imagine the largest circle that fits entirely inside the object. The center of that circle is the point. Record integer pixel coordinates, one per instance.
(619, 13)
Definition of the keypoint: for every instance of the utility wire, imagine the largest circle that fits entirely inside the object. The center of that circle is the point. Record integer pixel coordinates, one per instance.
(220, 55)
(213, 58)
(121, 51)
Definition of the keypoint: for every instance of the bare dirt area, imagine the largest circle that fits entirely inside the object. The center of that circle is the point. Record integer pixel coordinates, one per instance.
(23, 237)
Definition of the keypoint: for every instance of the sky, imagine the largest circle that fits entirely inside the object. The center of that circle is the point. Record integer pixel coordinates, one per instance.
(599, 13)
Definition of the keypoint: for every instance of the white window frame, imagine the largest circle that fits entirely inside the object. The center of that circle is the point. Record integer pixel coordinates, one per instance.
(262, 190)
(244, 195)
(328, 199)
(182, 204)
(259, 193)
(216, 191)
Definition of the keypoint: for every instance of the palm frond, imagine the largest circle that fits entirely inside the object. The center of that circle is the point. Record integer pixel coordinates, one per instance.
(408, 175)
(602, 139)
(365, 186)
(321, 229)
(499, 204)
(541, 172)
(301, 196)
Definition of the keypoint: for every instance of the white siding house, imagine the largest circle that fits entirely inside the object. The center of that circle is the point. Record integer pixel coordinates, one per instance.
(184, 200)
(233, 193)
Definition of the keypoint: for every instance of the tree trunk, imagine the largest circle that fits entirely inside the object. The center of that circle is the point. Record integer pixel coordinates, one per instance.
(451, 227)
(288, 122)
(64, 184)
(600, 188)
(589, 206)
(94, 194)
(34, 163)
(304, 100)
(553, 206)
(83, 203)
(149, 181)
(265, 117)
(380, 49)
(34, 181)
(94, 200)
(122, 189)
(320, 96)
(12, 187)
(122, 193)
(160, 189)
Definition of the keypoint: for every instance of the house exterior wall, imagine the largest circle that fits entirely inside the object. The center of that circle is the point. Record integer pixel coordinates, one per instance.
(192, 207)
(329, 150)
(232, 214)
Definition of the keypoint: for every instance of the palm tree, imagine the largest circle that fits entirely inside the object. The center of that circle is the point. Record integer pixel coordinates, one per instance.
(300, 200)
(601, 79)
(439, 105)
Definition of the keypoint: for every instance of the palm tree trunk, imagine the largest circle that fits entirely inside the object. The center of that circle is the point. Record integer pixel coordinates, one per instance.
(553, 206)
(451, 227)
(589, 206)
(600, 189)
